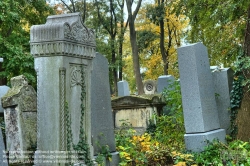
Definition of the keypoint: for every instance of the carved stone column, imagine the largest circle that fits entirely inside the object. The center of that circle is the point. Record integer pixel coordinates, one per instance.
(63, 49)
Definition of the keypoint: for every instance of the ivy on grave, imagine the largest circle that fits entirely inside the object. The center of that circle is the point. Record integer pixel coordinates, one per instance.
(82, 146)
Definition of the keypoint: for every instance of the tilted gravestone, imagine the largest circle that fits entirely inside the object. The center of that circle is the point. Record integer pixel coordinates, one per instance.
(123, 88)
(198, 98)
(102, 124)
(20, 116)
(164, 82)
(223, 80)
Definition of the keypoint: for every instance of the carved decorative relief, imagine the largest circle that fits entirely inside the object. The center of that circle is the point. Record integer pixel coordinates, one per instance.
(76, 76)
(79, 33)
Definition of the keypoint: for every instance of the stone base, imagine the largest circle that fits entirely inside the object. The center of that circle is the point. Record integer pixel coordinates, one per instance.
(197, 141)
(114, 162)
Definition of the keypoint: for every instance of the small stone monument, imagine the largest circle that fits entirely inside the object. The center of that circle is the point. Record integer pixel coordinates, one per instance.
(223, 80)
(164, 82)
(149, 87)
(19, 105)
(123, 88)
(198, 98)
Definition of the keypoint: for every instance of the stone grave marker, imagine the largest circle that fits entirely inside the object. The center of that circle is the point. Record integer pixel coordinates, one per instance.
(3, 90)
(102, 124)
(63, 48)
(198, 98)
(20, 116)
(3, 158)
(223, 80)
(149, 87)
(164, 82)
(123, 88)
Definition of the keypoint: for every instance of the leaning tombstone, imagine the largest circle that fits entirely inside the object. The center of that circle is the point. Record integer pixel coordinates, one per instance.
(102, 124)
(149, 87)
(19, 105)
(198, 98)
(223, 80)
(123, 88)
(63, 48)
(164, 82)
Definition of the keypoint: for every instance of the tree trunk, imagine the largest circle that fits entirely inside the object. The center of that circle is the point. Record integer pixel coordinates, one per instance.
(134, 46)
(162, 38)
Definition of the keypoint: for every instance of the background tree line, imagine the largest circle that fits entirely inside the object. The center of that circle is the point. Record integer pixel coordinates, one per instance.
(139, 38)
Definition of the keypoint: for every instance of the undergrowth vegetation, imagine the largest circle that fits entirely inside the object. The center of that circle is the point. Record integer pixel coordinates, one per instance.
(163, 144)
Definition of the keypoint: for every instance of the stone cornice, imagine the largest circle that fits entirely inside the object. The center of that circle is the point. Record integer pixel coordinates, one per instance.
(62, 48)
(64, 35)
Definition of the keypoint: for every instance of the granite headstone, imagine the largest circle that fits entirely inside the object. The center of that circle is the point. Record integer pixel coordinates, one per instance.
(163, 82)
(102, 124)
(123, 88)
(198, 97)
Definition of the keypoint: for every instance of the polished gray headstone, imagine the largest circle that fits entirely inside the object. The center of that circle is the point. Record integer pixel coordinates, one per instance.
(198, 96)
(164, 82)
(123, 88)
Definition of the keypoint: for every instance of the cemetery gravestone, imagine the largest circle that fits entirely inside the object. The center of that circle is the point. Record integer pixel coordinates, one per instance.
(3, 90)
(164, 82)
(63, 49)
(3, 158)
(223, 80)
(149, 87)
(123, 88)
(20, 116)
(102, 124)
(198, 97)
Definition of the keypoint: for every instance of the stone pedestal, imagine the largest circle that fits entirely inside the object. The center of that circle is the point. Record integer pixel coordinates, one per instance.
(198, 96)
(63, 49)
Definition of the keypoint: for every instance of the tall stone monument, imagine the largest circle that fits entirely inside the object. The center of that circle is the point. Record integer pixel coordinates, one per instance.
(198, 98)
(63, 48)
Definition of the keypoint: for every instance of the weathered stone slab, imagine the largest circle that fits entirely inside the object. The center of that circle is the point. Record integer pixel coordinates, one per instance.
(198, 97)
(3, 90)
(102, 123)
(123, 88)
(20, 118)
(164, 82)
(223, 80)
